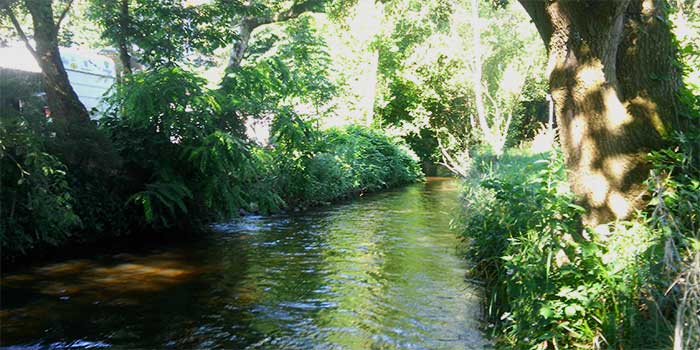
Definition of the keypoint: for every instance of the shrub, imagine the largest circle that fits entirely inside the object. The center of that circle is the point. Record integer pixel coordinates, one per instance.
(552, 284)
(184, 160)
(36, 200)
(313, 167)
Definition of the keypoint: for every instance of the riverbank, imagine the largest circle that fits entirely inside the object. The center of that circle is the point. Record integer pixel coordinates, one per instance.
(550, 283)
(144, 241)
(202, 170)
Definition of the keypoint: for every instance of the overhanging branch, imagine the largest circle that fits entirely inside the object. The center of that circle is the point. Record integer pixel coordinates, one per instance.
(15, 23)
(63, 14)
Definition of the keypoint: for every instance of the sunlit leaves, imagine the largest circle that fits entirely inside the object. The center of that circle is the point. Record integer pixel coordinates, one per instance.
(184, 154)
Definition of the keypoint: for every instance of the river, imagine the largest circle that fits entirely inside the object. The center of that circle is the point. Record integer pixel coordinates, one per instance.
(379, 272)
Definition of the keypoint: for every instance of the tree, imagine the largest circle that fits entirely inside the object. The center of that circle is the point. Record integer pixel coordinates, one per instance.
(159, 32)
(614, 80)
(459, 77)
(77, 139)
(258, 13)
(65, 106)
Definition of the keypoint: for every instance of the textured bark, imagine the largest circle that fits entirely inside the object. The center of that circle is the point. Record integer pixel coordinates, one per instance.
(613, 85)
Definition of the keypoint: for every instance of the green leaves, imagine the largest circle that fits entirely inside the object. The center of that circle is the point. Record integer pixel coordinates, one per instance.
(36, 197)
(163, 201)
(184, 153)
(316, 167)
(555, 281)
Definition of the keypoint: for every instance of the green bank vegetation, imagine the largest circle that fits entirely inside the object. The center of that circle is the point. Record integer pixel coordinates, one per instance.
(552, 282)
(178, 163)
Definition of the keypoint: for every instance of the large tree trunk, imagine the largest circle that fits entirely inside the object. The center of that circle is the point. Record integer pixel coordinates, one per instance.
(613, 82)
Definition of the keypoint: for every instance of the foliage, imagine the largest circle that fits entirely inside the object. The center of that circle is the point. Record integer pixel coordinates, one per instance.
(36, 200)
(162, 32)
(286, 68)
(428, 93)
(182, 155)
(184, 158)
(314, 167)
(553, 285)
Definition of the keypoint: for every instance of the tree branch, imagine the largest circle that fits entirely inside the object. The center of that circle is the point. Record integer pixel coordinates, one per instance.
(449, 162)
(538, 13)
(63, 14)
(296, 10)
(18, 28)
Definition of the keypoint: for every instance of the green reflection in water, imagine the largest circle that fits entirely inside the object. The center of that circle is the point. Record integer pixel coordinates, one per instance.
(378, 273)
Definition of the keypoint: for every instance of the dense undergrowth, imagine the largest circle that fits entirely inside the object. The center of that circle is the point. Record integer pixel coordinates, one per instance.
(182, 160)
(551, 284)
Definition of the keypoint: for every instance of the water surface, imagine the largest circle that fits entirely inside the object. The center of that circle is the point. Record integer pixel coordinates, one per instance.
(380, 272)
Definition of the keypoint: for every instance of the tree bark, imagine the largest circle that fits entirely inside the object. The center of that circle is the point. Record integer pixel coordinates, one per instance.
(124, 31)
(243, 32)
(613, 83)
(77, 139)
(476, 82)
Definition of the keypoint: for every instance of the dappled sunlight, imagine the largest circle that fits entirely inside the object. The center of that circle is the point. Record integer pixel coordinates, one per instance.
(616, 166)
(136, 277)
(616, 112)
(619, 205)
(605, 136)
(643, 107)
(127, 274)
(65, 268)
(87, 288)
(577, 131)
(263, 174)
(590, 77)
(598, 187)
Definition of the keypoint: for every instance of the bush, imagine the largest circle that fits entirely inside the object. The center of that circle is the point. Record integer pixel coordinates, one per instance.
(314, 167)
(550, 283)
(36, 200)
(184, 160)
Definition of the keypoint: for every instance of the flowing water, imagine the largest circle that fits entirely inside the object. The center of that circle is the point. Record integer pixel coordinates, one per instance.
(380, 272)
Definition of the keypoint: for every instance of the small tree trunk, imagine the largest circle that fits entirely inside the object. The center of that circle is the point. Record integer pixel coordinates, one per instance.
(123, 44)
(244, 31)
(613, 85)
(371, 86)
(478, 89)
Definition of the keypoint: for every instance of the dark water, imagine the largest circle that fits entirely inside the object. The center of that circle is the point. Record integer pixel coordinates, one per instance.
(380, 272)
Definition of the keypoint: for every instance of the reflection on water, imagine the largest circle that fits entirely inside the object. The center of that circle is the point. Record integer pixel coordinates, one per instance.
(378, 273)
